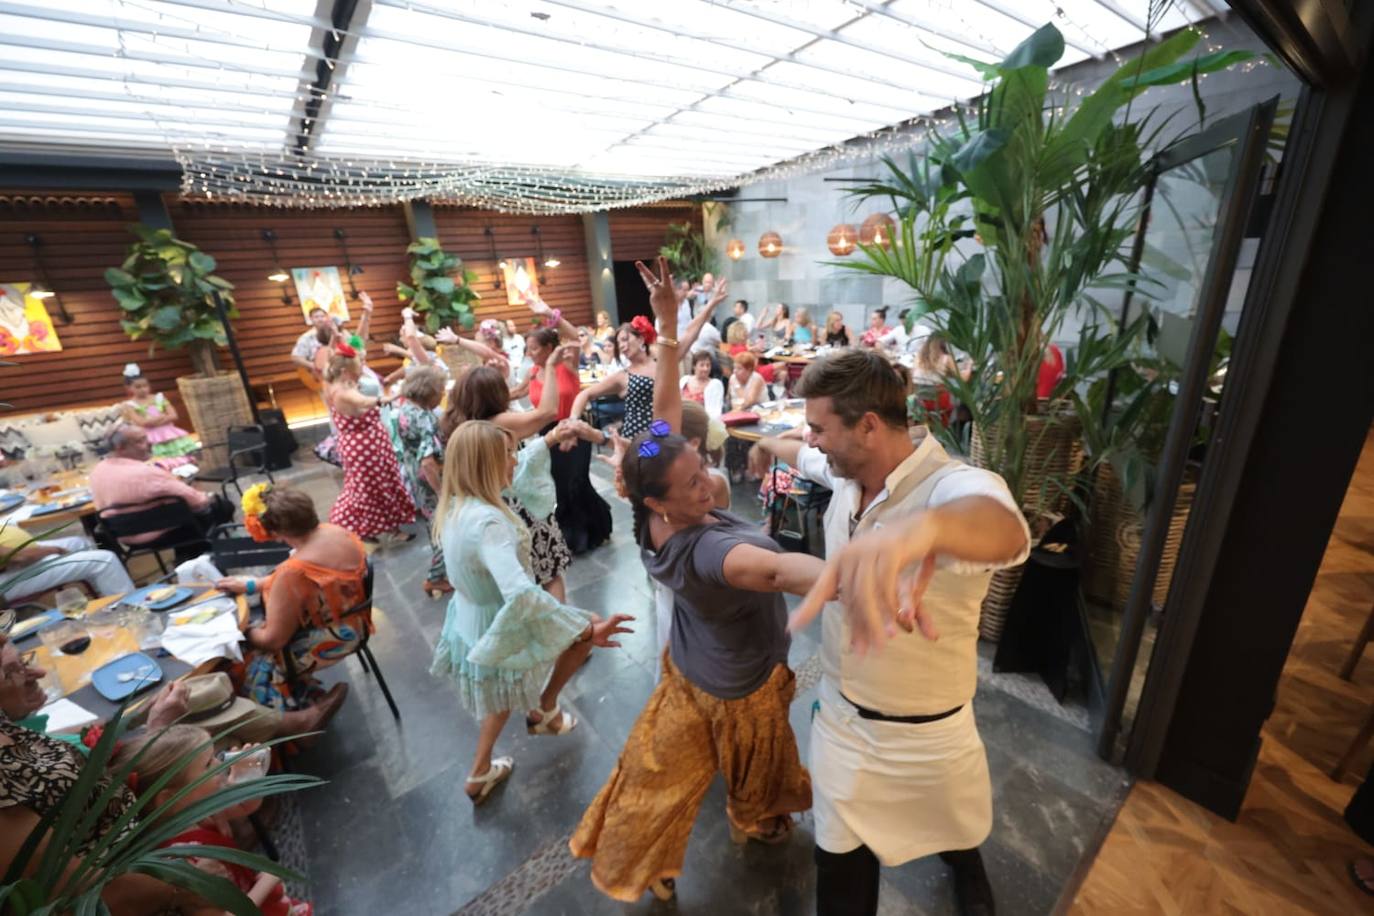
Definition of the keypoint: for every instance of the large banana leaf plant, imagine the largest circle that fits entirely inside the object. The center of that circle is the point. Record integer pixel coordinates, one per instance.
(1020, 219)
(165, 289)
(440, 287)
(74, 866)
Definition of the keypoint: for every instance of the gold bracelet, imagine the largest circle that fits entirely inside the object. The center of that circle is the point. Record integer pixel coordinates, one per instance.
(667, 341)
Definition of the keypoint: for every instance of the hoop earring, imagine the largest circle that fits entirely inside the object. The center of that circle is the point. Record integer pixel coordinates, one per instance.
(665, 518)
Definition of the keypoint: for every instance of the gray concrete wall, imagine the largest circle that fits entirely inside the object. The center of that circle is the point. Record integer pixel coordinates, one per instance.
(801, 276)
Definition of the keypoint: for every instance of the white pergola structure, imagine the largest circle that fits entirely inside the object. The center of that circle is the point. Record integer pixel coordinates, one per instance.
(367, 100)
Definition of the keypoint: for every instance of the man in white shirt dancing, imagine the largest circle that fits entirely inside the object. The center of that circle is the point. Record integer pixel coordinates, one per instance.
(912, 537)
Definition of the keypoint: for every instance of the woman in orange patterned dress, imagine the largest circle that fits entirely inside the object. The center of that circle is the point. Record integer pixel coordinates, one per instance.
(308, 599)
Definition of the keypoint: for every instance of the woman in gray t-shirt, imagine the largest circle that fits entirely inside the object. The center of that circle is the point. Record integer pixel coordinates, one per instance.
(722, 704)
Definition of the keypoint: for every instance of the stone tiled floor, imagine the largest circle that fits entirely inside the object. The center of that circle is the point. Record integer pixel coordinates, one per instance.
(393, 832)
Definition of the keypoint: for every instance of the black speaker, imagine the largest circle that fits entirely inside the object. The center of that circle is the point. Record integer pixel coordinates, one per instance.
(281, 444)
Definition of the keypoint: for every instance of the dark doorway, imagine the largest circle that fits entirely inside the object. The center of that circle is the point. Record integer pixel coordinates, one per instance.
(631, 296)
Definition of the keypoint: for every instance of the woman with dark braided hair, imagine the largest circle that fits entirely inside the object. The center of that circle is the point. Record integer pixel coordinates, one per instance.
(722, 704)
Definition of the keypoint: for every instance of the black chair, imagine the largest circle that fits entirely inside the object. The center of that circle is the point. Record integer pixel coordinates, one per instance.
(605, 410)
(232, 551)
(364, 651)
(170, 515)
(247, 447)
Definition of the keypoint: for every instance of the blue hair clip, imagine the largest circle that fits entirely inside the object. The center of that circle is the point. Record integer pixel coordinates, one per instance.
(660, 428)
(648, 449)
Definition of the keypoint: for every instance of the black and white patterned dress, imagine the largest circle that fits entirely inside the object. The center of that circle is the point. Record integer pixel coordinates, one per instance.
(37, 772)
(639, 405)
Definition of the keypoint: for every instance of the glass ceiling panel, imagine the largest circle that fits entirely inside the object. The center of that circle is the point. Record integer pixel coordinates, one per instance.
(691, 88)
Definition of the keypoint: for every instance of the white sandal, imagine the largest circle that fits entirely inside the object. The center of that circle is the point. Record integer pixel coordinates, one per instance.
(501, 768)
(566, 723)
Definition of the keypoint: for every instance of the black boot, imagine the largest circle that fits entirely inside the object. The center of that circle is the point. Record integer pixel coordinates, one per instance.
(971, 886)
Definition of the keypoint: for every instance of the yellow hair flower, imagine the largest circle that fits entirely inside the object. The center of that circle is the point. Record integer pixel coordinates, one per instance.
(252, 501)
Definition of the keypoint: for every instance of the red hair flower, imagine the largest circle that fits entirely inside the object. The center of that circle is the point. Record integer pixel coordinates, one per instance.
(343, 349)
(253, 523)
(645, 329)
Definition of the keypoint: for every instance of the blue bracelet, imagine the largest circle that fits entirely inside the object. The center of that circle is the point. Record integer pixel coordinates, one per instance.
(250, 586)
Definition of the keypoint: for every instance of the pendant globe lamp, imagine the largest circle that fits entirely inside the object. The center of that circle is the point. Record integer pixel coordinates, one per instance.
(878, 229)
(841, 239)
(770, 244)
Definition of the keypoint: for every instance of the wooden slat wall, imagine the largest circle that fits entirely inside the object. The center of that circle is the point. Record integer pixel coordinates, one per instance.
(267, 327)
(638, 233)
(82, 235)
(565, 287)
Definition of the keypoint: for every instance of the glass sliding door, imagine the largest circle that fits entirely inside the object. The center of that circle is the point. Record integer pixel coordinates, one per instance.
(1192, 248)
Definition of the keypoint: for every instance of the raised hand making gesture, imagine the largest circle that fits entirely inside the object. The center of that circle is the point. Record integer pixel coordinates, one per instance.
(662, 293)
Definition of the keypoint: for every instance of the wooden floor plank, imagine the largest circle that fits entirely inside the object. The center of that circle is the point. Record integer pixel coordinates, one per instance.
(1287, 852)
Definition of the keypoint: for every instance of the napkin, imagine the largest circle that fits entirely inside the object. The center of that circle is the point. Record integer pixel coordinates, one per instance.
(66, 716)
(194, 643)
(201, 569)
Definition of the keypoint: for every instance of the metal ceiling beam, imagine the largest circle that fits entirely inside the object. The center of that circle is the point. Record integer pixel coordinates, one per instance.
(1032, 22)
(250, 10)
(751, 76)
(19, 66)
(122, 24)
(338, 45)
(883, 8)
(1120, 12)
(136, 99)
(773, 18)
(141, 116)
(74, 47)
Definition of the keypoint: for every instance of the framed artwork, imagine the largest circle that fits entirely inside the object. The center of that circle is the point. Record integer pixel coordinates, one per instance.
(521, 280)
(24, 323)
(320, 287)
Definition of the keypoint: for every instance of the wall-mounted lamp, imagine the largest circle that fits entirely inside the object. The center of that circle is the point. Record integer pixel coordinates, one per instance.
(352, 269)
(496, 259)
(42, 288)
(278, 275)
(539, 250)
(735, 249)
(770, 244)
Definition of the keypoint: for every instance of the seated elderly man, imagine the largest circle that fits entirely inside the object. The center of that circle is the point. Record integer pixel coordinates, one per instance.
(33, 566)
(126, 480)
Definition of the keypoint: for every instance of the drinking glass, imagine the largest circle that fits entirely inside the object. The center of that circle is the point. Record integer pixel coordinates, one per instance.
(71, 602)
(67, 633)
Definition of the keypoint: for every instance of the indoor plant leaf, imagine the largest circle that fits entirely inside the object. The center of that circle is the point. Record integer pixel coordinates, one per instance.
(202, 262)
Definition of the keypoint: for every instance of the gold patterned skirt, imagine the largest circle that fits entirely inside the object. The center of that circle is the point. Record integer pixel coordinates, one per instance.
(636, 830)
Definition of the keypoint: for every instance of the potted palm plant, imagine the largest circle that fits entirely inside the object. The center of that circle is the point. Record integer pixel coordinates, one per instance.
(166, 291)
(1013, 223)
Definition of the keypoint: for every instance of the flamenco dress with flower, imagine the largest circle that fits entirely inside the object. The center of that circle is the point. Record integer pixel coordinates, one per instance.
(374, 498)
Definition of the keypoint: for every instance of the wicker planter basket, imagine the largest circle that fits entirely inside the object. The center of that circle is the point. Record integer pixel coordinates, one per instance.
(1054, 450)
(1115, 528)
(214, 405)
(457, 359)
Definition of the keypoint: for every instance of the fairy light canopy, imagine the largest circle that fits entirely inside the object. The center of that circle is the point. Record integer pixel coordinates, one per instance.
(525, 105)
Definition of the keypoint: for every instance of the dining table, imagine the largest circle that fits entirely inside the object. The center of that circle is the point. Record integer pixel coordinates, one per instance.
(775, 419)
(51, 505)
(70, 674)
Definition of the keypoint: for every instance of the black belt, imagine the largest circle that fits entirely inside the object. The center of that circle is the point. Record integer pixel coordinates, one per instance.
(866, 713)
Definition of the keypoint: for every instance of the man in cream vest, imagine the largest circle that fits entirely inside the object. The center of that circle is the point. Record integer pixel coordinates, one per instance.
(912, 537)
